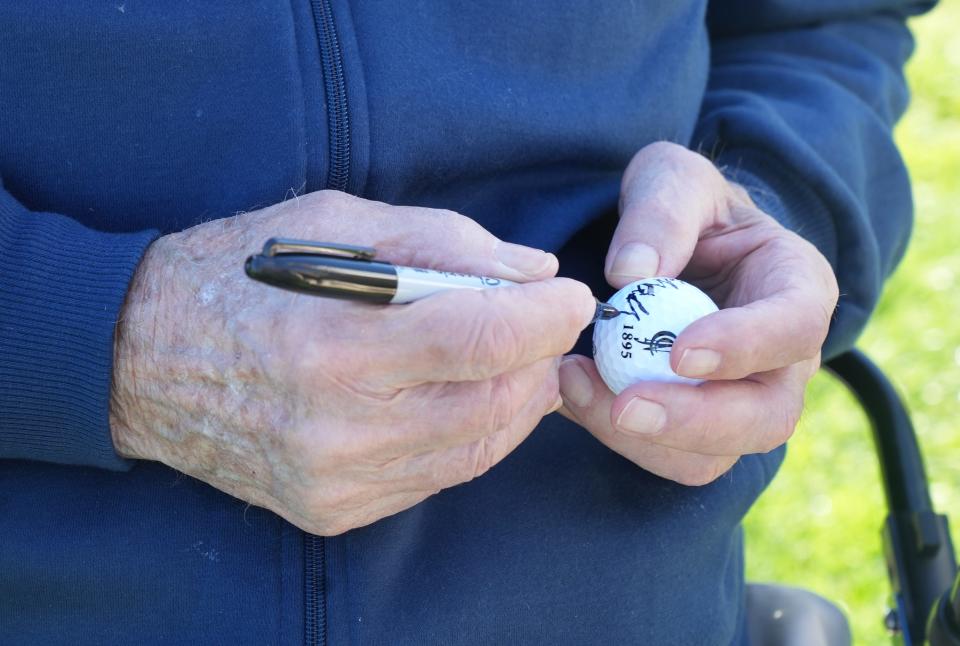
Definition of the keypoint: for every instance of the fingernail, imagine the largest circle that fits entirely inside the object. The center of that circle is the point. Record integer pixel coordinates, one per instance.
(643, 417)
(526, 260)
(575, 384)
(697, 362)
(635, 260)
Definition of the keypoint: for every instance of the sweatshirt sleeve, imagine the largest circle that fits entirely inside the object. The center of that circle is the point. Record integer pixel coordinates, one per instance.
(61, 289)
(800, 107)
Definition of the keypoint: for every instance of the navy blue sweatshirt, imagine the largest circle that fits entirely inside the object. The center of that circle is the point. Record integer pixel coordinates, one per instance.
(124, 120)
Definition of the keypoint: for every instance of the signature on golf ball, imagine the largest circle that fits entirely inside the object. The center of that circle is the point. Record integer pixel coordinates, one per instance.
(635, 346)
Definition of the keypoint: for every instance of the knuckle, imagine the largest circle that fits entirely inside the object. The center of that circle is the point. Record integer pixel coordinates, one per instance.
(665, 149)
(702, 472)
(454, 228)
(820, 317)
(328, 199)
(703, 429)
(794, 414)
(550, 386)
(337, 508)
(482, 456)
(500, 405)
(681, 159)
(330, 527)
(456, 220)
(446, 473)
(467, 463)
(830, 286)
(828, 291)
(784, 425)
(321, 509)
(813, 366)
(481, 408)
(741, 196)
(492, 342)
(825, 317)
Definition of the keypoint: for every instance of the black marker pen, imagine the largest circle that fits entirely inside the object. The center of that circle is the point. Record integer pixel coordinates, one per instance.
(350, 272)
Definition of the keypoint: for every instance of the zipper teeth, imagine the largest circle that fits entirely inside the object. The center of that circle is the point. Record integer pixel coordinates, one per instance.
(315, 621)
(333, 79)
(338, 123)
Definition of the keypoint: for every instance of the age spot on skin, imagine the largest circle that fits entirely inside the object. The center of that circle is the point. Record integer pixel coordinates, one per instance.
(206, 294)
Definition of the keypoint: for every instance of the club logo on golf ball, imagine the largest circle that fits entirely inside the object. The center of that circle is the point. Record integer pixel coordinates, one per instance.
(635, 346)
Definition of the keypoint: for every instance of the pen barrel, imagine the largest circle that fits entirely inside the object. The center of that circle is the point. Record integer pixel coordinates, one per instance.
(414, 283)
(372, 282)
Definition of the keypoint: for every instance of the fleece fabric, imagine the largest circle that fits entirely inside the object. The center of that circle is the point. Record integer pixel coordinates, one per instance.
(125, 120)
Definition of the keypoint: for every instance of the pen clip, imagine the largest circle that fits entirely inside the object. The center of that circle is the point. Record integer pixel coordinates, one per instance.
(284, 246)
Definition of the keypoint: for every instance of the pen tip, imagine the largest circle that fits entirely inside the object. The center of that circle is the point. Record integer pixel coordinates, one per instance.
(605, 311)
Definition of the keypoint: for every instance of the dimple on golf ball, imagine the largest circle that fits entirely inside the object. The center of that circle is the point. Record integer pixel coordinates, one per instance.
(635, 346)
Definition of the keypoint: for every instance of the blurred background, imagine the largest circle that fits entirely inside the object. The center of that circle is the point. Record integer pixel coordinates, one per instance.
(818, 526)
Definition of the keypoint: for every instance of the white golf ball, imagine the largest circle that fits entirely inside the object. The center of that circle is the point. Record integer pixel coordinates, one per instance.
(635, 346)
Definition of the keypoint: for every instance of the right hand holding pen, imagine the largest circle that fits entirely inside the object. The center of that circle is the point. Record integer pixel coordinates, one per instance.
(336, 414)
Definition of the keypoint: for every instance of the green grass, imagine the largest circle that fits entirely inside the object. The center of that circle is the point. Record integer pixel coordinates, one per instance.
(818, 525)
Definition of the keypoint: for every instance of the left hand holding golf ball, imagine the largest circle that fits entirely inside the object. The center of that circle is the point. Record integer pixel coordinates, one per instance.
(776, 294)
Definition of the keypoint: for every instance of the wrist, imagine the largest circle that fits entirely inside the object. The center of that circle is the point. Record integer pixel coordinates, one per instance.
(132, 349)
(779, 192)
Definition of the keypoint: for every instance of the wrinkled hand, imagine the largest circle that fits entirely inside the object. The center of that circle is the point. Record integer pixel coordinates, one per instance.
(330, 413)
(776, 292)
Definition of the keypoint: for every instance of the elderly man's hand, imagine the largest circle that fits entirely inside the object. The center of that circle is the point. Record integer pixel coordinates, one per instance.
(330, 413)
(777, 294)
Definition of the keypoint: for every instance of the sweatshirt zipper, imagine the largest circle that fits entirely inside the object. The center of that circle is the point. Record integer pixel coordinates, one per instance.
(338, 120)
(338, 172)
(315, 607)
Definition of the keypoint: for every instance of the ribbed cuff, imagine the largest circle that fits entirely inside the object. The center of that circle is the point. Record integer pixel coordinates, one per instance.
(61, 289)
(783, 195)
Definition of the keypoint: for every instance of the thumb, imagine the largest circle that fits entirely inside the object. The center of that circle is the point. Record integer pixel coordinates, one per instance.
(668, 197)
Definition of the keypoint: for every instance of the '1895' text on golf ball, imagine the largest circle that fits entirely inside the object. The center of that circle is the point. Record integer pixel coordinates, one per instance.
(635, 346)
